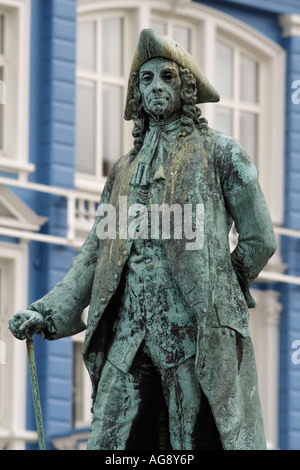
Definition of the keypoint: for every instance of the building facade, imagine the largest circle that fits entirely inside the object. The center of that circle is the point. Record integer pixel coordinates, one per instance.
(64, 66)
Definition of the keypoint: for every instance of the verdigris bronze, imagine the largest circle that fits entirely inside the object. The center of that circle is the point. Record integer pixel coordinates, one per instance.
(167, 343)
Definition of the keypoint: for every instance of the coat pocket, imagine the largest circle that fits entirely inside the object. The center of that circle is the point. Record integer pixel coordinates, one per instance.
(236, 319)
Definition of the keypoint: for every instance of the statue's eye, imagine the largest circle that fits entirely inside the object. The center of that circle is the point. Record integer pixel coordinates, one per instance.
(168, 76)
(146, 77)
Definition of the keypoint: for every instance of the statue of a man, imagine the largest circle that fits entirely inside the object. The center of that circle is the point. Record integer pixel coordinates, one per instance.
(167, 343)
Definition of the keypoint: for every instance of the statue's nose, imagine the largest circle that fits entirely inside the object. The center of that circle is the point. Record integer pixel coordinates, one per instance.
(157, 84)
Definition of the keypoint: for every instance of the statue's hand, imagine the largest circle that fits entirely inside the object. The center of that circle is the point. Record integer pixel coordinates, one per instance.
(25, 323)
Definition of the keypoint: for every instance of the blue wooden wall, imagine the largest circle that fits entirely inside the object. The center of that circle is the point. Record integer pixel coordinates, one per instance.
(52, 130)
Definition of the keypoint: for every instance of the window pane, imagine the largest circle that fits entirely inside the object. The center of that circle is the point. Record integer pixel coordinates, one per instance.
(86, 40)
(112, 126)
(224, 70)
(248, 133)
(85, 127)
(248, 79)
(223, 120)
(183, 36)
(160, 28)
(112, 46)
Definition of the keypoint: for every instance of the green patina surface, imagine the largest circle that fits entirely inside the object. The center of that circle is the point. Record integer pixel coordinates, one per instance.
(180, 301)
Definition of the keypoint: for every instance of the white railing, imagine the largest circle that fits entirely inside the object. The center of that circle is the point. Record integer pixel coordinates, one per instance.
(16, 439)
(81, 212)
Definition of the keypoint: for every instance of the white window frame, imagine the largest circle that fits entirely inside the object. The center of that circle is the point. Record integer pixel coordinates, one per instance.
(172, 22)
(270, 151)
(83, 181)
(14, 158)
(236, 105)
(14, 435)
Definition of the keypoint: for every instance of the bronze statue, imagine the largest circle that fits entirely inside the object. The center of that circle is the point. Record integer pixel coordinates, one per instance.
(167, 343)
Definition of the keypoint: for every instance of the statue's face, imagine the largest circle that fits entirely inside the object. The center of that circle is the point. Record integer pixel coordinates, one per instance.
(160, 85)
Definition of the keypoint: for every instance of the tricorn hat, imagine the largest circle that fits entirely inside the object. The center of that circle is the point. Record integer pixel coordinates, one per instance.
(152, 45)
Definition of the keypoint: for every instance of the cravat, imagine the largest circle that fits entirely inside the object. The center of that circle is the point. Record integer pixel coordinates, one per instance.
(155, 145)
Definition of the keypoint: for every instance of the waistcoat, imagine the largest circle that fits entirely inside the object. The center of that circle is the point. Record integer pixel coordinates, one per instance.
(152, 308)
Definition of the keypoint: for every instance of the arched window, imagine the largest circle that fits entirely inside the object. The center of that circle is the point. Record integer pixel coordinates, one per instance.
(246, 68)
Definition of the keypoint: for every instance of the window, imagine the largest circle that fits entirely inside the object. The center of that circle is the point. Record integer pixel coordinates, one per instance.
(248, 74)
(14, 85)
(102, 73)
(100, 96)
(182, 33)
(238, 81)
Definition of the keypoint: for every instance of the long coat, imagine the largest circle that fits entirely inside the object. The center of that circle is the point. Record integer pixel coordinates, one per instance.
(206, 168)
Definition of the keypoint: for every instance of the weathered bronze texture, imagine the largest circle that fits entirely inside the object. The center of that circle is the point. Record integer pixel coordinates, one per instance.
(167, 342)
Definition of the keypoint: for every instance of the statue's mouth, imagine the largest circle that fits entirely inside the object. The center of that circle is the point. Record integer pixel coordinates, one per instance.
(160, 101)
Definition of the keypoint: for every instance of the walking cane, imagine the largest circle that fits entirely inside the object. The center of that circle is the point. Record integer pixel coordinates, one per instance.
(36, 395)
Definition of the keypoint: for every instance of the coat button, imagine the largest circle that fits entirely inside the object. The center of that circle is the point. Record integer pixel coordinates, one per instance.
(111, 289)
(103, 300)
(125, 252)
(116, 277)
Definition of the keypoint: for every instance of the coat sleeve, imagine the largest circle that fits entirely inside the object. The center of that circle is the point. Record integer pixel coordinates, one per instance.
(63, 305)
(247, 206)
